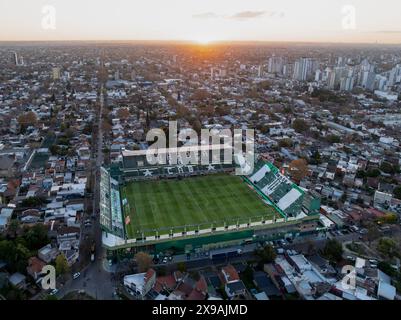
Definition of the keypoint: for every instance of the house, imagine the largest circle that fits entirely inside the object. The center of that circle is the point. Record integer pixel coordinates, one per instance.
(5, 218)
(30, 216)
(18, 280)
(165, 283)
(3, 279)
(263, 282)
(7, 162)
(71, 256)
(35, 266)
(200, 291)
(229, 274)
(261, 296)
(48, 253)
(235, 288)
(140, 284)
(382, 198)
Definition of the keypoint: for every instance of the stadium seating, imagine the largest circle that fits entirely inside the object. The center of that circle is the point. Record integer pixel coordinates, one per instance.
(287, 196)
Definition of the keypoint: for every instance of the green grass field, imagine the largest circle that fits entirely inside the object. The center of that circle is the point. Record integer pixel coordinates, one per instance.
(166, 204)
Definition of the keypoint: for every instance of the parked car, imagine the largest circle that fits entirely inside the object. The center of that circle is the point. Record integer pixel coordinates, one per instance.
(53, 292)
(76, 275)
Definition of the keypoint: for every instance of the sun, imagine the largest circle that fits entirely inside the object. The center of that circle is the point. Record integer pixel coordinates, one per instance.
(204, 40)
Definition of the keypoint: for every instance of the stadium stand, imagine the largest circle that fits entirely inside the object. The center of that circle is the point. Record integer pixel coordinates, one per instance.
(286, 196)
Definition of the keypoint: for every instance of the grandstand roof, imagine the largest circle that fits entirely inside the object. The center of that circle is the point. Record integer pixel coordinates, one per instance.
(129, 153)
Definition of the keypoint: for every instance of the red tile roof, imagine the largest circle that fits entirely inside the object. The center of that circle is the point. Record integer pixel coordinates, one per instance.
(229, 273)
(35, 265)
(196, 295)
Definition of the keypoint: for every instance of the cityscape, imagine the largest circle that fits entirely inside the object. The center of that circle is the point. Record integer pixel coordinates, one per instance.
(204, 168)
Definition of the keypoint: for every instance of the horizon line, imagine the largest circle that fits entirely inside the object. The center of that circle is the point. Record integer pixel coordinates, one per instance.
(194, 42)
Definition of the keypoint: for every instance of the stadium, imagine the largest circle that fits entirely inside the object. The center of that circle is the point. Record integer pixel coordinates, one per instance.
(191, 207)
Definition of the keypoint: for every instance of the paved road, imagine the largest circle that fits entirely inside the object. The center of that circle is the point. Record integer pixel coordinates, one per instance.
(302, 245)
(94, 279)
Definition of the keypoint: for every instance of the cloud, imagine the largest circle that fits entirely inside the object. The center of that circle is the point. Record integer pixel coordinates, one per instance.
(389, 31)
(205, 15)
(242, 15)
(248, 15)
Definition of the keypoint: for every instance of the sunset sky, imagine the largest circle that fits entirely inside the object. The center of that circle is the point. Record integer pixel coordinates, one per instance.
(202, 20)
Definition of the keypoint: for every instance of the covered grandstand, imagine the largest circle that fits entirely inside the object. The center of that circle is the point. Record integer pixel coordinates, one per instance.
(281, 192)
(173, 162)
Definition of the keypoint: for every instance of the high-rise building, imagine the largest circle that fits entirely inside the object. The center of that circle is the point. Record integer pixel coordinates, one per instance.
(331, 80)
(16, 58)
(304, 69)
(275, 65)
(368, 80)
(56, 73)
(260, 68)
(318, 75)
(18, 61)
(347, 83)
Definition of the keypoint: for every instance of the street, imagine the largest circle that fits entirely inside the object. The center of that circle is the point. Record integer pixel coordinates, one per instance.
(94, 279)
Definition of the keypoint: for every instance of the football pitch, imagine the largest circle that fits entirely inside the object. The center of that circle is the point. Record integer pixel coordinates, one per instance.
(189, 204)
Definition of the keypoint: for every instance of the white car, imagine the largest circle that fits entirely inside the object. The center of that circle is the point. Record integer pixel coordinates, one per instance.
(76, 275)
(54, 292)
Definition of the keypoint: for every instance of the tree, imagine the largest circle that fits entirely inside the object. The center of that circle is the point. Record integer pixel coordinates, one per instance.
(106, 126)
(207, 111)
(333, 250)
(311, 250)
(360, 174)
(387, 167)
(316, 157)
(389, 218)
(388, 248)
(397, 192)
(298, 169)
(267, 254)
(200, 95)
(197, 126)
(62, 266)
(27, 119)
(13, 227)
(373, 233)
(181, 266)
(123, 113)
(36, 237)
(285, 143)
(183, 112)
(15, 254)
(300, 125)
(143, 260)
(223, 110)
(332, 138)
(373, 173)
(32, 202)
(87, 130)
